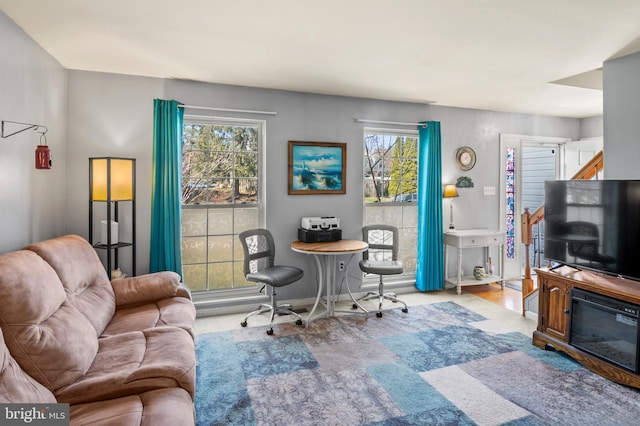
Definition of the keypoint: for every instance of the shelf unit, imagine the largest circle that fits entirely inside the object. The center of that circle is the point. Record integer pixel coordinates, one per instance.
(112, 182)
(468, 239)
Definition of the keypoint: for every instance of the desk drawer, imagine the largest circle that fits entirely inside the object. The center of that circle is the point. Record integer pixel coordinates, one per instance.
(481, 241)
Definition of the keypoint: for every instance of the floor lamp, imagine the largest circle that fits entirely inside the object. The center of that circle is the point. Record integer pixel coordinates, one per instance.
(112, 182)
(450, 191)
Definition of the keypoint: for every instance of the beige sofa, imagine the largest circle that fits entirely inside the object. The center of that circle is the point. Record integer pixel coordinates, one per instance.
(119, 352)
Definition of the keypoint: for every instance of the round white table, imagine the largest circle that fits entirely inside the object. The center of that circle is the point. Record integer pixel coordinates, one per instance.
(325, 255)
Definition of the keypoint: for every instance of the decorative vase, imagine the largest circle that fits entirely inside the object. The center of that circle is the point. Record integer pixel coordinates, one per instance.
(479, 272)
(490, 270)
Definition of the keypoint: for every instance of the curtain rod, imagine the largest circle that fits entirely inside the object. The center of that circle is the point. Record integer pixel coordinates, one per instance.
(397, 123)
(245, 111)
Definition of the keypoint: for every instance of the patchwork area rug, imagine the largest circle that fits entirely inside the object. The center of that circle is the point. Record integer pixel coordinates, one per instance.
(439, 364)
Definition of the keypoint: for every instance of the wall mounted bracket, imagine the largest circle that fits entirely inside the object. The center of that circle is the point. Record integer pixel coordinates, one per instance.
(29, 126)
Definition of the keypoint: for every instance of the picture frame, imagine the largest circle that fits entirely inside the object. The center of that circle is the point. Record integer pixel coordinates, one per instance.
(317, 168)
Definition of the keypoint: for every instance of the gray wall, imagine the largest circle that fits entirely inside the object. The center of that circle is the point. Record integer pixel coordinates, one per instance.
(481, 130)
(33, 89)
(591, 127)
(110, 114)
(303, 117)
(622, 117)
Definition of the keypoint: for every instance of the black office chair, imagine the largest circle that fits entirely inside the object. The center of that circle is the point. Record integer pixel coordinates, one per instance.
(381, 259)
(259, 254)
(587, 249)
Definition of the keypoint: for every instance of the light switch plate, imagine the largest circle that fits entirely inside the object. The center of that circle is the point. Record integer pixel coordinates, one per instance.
(489, 190)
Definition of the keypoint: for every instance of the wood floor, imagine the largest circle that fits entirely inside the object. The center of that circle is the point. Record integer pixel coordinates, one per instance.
(508, 298)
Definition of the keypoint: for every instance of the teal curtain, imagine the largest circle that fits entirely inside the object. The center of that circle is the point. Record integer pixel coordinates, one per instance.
(430, 263)
(166, 187)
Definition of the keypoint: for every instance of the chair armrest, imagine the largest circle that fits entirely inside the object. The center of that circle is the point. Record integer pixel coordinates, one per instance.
(148, 288)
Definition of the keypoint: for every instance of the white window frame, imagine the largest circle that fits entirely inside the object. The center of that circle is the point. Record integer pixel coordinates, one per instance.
(246, 292)
(396, 281)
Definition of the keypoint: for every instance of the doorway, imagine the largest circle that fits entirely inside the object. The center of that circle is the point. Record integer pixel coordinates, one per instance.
(525, 163)
(540, 163)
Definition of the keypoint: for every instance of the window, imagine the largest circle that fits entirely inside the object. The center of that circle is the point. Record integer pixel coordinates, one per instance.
(390, 167)
(221, 197)
(510, 203)
(391, 187)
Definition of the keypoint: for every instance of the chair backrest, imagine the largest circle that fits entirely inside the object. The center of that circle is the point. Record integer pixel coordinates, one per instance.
(16, 384)
(584, 249)
(259, 250)
(44, 324)
(383, 242)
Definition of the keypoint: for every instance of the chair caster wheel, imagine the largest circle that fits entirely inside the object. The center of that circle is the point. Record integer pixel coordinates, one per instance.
(405, 310)
(354, 306)
(243, 323)
(299, 322)
(270, 331)
(379, 314)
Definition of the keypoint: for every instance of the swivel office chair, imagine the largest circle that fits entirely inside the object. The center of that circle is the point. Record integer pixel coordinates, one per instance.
(259, 254)
(586, 248)
(381, 259)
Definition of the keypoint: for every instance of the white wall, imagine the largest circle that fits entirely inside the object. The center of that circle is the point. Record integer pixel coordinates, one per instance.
(578, 153)
(33, 89)
(622, 117)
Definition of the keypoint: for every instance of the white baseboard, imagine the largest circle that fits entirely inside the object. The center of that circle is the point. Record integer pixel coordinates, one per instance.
(531, 315)
(206, 308)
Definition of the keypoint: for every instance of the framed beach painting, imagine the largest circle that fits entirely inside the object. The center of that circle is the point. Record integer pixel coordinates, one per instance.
(317, 168)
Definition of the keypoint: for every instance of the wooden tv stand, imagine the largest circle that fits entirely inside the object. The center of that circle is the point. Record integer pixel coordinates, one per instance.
(554, 319)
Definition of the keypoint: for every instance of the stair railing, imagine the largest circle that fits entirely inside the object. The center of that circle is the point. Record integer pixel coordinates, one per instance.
(529, 220)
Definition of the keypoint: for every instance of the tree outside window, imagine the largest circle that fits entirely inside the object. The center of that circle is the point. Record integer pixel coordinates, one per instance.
(391, 168)
(391, 189)
(220, 199)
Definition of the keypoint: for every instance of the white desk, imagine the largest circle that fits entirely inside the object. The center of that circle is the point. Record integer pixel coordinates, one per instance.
(473, 238)
(325, 255)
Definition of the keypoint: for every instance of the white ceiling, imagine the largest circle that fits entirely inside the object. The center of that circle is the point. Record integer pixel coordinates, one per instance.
(501, 55)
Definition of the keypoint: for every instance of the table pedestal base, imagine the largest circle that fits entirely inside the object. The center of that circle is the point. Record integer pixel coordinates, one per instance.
(326, 267)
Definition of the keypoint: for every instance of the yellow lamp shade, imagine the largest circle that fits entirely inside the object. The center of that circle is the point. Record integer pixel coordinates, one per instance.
(112, 179)
(450, 191)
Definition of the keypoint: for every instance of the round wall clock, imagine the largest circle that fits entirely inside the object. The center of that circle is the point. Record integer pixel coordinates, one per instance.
(466, 158)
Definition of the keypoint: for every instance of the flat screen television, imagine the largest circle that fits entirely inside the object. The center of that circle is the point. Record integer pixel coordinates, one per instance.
(594, 224)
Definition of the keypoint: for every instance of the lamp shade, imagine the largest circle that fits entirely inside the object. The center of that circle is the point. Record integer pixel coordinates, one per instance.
(450, 191)
(111, 178)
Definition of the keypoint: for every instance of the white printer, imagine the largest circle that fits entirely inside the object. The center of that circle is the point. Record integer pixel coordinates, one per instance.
(320, 222)
(319, 229)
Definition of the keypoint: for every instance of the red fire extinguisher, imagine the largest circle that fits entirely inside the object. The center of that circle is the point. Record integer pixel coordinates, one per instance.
(43, 155)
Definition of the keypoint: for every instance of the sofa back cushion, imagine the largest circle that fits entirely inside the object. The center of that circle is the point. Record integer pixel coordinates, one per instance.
(83, 277)
(16, 386)
(49, 338)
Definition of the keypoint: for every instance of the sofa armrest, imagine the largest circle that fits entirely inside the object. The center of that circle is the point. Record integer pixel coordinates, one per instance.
(148, 288)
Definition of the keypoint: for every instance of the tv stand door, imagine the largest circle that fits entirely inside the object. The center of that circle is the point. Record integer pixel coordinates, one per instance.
(554, 307)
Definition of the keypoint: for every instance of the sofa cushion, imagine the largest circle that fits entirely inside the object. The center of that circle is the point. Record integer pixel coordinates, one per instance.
(48, 337)
(16, 386)
(171, 406)
(146, 288)
(136, 362)
(175, 311)
(82, 275)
